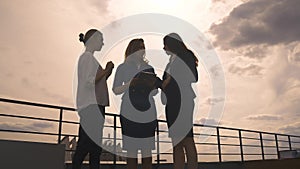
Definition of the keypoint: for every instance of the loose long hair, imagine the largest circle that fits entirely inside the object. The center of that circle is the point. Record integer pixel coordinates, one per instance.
(175, 44)
(134, 46)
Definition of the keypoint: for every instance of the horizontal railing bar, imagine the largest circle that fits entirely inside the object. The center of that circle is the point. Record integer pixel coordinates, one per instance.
(165, 141)
(269, 146)
(106, 138)
(229, 144)
(206, 143)
(264, 146)
(258, 154)
(29, 132)
(44, 119)
(226, 136)
(112, 126)
(164, 153)
(162, 131)
(36, 104)
(197, 153)
(37, 118)
(29, 117)
(250, 138)
(251, 145)
(201, 134)
(283, 141)
(269, 140)
(228, 154)
(207, 154)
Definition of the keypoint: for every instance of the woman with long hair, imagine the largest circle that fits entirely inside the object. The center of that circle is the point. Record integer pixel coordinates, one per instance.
(135, 79)
(180, 73)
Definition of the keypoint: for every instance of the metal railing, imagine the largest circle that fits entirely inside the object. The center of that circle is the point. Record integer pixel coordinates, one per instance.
(263, 138)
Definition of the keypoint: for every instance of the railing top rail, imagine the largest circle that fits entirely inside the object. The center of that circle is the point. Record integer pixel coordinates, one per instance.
(36, 104)
(112, 114)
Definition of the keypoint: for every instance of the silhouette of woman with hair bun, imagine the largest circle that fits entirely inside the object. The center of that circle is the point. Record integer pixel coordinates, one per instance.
(91, 99)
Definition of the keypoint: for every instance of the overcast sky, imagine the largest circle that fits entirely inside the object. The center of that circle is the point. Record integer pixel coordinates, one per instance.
(257, 42)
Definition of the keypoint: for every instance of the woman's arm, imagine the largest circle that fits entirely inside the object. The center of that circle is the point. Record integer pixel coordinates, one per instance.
(119, 86)
(121, 89)
(104, 73)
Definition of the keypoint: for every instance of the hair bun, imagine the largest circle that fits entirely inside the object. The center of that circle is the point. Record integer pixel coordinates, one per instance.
(81, 37)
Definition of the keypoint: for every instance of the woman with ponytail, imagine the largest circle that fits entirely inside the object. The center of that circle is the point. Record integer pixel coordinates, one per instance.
(91, 99)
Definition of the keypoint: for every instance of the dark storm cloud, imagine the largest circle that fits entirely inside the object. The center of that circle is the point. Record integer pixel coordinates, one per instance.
(259, 22)
(250, 70)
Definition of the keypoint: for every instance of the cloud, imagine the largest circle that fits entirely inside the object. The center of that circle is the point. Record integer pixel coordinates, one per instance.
(36, 126)
(207, 121)
(293, 129)
(223, 1)
(214, 101)
(294, 55)
(258, 51)
(100, 6)
(249, 70)
(259, 22)
(264, 117)
(216, 70)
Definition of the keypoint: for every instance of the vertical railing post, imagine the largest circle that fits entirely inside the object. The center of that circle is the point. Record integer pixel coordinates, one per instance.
(290, 143)
(262, 146)
(219, 144)
(277, 147)
(157, 145)
(115, 140)
(241, 145)
(60, 125)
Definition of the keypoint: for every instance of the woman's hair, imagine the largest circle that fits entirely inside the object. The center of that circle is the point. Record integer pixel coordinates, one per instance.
(85, 37)
(134, 46)
(175, 44)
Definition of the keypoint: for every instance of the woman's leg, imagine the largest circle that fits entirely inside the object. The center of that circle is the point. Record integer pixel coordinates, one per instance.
(81, 150)
(95, 153)
(146, 159)
(178, 156)
(132, 162)
(191, 152)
